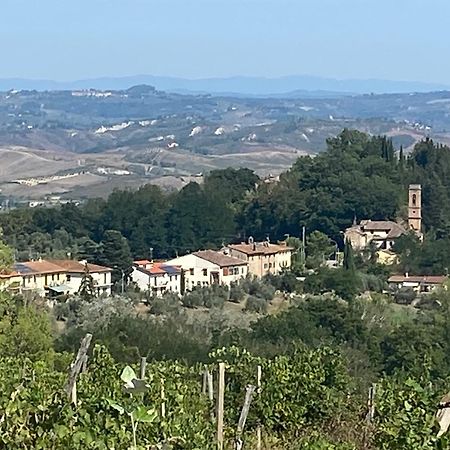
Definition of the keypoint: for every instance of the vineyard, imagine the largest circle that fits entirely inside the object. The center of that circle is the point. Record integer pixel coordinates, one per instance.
(305, 401)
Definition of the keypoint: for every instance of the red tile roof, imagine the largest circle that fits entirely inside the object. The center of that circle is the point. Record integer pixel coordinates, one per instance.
(220, 259)
(159, 268)
(70, 265)
(260, 248)
(423, 279)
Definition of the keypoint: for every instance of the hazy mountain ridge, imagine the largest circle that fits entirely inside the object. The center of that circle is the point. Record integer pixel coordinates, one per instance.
(242, 85)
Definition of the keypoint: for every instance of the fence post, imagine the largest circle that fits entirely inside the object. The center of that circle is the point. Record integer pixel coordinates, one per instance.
(258, 391)
(211, 392)
(371, 402)
(239, 443)
(163, 399)
(75, 368)
(143, 366)
(220, 406)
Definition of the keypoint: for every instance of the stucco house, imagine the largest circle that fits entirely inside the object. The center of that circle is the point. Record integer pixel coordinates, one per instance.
(207, 267)
(263, 258)
(49, 278)
(157, 277)
(418, 283)
(382, 233)
(74, 271)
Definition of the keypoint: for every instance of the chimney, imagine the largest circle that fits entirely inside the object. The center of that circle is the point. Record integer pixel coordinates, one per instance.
(406, 274)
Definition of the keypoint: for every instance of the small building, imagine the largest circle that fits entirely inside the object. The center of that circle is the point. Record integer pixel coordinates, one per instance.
(207, 267)
(418, 283)
(382, 233)
(263, 258)
(51, 278)
(74, 271)
(157, 277)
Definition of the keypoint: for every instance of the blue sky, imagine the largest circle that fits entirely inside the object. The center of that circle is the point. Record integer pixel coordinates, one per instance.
(73, 39)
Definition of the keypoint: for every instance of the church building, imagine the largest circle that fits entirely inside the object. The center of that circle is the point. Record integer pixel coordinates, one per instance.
(384, 232)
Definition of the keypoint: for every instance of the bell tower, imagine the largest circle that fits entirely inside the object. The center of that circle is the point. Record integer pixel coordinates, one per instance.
(415, 208)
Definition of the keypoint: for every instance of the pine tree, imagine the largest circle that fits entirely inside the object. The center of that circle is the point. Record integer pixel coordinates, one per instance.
(117, 255)
(87, 288)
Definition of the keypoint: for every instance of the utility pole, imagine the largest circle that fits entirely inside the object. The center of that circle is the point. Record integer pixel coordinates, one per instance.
(303, 250)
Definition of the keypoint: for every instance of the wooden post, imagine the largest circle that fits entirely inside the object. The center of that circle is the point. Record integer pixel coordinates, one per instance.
(239, 443)
(143, 367)
(258, 391)
(371, 402)
(220, 406)
(205, 381)
(75, 368)
(163, 400)
(210, 382)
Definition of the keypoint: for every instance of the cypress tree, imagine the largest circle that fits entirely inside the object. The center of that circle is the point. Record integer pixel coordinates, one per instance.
(87, 288)
(349, 257)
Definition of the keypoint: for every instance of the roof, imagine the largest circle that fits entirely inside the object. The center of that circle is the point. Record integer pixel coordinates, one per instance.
(260, 248)
(37, 267)
(393, 229)
(158, 268)
(219, 258)
(143, 262)
(69, 265)
(12, 274)
(423, 279)
(60, 289)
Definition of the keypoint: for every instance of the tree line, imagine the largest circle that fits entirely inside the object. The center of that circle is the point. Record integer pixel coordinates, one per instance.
(357, 176)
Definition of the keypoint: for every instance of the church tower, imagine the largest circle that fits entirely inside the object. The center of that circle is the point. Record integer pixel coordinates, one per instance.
(415, 208)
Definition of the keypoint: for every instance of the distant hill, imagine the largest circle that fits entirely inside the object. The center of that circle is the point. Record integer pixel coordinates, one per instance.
(289, 86)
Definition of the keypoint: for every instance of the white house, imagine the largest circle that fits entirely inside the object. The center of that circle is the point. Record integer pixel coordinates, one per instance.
(418, 283)
(156, 277)
(74, 271)
(55, 277)
(208, 267)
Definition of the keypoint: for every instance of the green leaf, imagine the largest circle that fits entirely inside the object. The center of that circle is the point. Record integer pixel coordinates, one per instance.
(142, 414)
(128, 375)
(116, 406)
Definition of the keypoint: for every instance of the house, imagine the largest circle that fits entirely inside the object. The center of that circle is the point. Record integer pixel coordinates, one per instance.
(156, 277)
(11, 282)
(50, 278)
(207, 267)
(418, 283)
(74, 271)
(263, 258)
(382, 233)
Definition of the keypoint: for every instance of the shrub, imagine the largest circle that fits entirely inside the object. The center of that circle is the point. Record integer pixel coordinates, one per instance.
(256, 304)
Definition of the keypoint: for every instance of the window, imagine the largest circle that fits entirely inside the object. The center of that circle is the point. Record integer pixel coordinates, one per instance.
(104, 278)
(205, 272)
(414, 199)
(265, 266)
(68, 277)
(191, 271)
(53, 277)
(170, 278)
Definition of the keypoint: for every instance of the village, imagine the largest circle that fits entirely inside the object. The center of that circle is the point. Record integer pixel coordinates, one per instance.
(227, 266)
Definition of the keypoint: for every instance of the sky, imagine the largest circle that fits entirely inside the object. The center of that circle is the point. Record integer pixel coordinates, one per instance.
(79, 39)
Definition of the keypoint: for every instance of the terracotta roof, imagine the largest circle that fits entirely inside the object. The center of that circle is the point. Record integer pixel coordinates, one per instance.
(260, 248)
(37, 267)
(6, 275)
(393, 228)
(70, 265)
(219, 258)
(143, 262)
(425, 279)
(158, 268)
